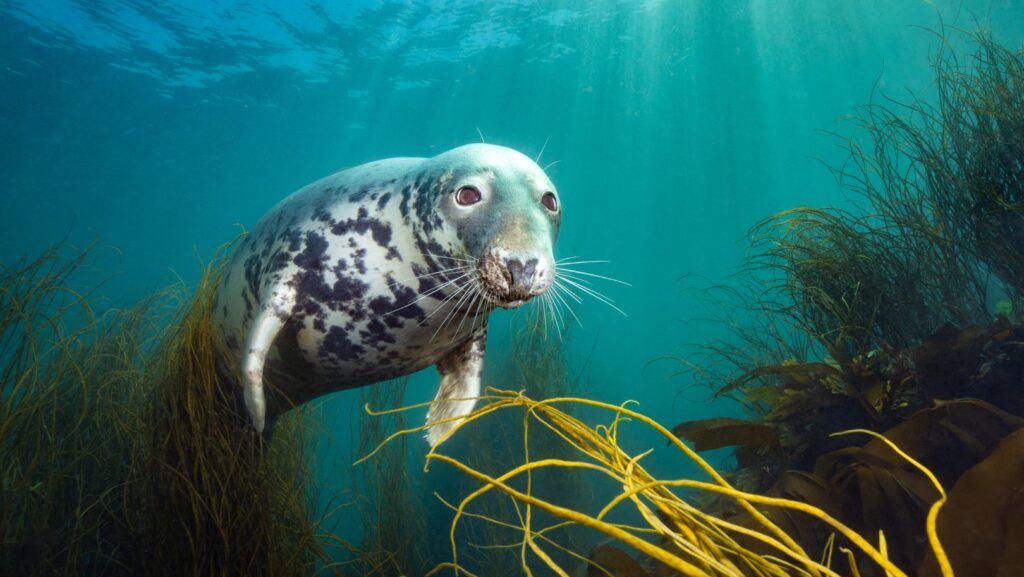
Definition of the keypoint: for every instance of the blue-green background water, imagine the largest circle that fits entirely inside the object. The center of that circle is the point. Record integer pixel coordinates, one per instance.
(156, 127)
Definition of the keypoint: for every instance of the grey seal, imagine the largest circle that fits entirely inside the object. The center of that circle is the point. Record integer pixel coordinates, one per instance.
(384, 269)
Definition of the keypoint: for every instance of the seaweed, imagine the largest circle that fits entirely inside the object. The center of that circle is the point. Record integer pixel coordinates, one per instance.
(882, 318)
(536, 361)
(394, 524)
(211, 496)
(675, 537)
(983, 521)
(121, 450)
(69, 410)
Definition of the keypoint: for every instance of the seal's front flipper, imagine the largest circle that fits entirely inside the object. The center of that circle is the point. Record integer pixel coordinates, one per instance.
(460, 378)
(264, 328)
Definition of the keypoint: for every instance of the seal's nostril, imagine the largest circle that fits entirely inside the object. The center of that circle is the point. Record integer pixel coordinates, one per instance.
(529, 269)
(515, 272)
(522, 275)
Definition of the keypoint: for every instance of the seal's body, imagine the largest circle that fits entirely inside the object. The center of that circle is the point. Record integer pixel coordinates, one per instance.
(384, 269)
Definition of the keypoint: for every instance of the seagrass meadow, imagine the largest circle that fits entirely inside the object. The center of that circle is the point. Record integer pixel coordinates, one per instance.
(796, 346)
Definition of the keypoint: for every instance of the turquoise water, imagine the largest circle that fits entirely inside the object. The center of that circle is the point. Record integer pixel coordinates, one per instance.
(671, 128)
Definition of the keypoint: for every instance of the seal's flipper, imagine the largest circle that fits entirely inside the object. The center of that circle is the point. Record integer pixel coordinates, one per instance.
(460, 378)
(264, 328)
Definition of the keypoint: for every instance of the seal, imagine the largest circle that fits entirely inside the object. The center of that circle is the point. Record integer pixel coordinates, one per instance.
(385, 269)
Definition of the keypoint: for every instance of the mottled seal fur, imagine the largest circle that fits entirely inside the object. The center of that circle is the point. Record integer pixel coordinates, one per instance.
(384, 269)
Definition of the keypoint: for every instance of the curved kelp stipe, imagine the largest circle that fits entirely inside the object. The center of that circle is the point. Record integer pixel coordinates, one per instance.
(676, 534)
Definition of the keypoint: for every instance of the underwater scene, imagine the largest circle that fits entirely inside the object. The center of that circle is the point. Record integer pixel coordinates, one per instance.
(601, 288)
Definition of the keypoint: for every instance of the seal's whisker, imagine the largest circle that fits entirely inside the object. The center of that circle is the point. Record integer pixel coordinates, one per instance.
(550, 164)
(430, 274)
(551, 310)
(557, 315)
(542, 315)
(561, 299)
(544, 302)
(450, 297)
(580, 262)
(542, 148)
(570, 272)
(479, 305)
(450, 316)
(448, 257)
(566, 282)
(568, 262)
(597, 295)
(476, 297)
(475, 291)
(587, 282)
(431, 292)
(446, 300)
(559, 286)
(570, 258)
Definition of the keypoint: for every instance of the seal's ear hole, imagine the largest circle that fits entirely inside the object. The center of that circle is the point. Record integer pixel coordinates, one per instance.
(550, 201)
(467, 195)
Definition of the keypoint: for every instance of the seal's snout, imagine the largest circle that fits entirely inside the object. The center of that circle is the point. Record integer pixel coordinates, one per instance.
(511, 280)
(522, 275)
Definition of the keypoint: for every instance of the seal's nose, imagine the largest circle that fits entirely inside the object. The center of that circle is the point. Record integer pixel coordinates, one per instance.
(523, 276)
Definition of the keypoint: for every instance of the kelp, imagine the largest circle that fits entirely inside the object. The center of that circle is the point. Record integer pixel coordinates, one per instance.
(882, 317)
(951, 171)
(984, 534)
(721, 432)
(536, 360)
(394, 537)
(212, 497)
(875, 490)
(676, 537)
(121, 450)
(69, 412)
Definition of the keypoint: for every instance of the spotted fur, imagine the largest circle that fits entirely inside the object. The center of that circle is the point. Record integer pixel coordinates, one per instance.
(325, 292)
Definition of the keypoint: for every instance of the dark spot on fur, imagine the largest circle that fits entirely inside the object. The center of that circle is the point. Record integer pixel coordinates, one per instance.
(338, 345)
(359, 256)
(377, 333)
(379, 230)
(320, 212)
(280, 261)
(348, 289)
(381, 305)
(315, 254)
(253, 273)
(403, 208)
(309, 282)
(359, 195)
(293, 237)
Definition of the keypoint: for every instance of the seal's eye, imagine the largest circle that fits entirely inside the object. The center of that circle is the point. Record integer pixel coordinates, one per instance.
(549, 201)
(467, 195)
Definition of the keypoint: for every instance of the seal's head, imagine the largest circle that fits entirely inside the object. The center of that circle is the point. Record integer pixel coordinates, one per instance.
(501, 211)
